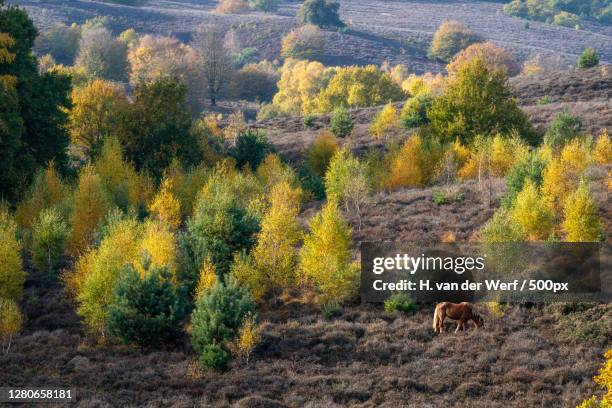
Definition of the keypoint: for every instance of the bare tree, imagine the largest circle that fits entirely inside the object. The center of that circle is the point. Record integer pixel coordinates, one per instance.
(217, 64)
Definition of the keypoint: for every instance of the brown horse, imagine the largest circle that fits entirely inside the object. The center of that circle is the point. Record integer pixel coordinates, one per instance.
(462, 312)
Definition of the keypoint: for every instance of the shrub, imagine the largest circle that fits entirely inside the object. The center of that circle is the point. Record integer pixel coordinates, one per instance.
(325, 257)
(308, 121)
(427, 84)
(478, 101)
(500, 229)
(414, 112)
(216, 319)
(146, 310)
(581, 217)
(323, 13)
(311, 183)
(331, 310)
(273, 171)
(102, 56)
(61, 41)
(545, 100)
(563, 128)
(268, 6)
(341, 124)
(588, 59)
(251, 148)
(604, 380)
(401, 302)
(12, 275)
(48, 240)
(165, 207)
(602, 153)
(249, 336)
(441, 197)
(531, 215)
(321, 151)
(11, 322)
(386, 121)
(451, 38)
(530, 168)
(256, 82)
(231, 7)
(305, 42)
(415, 163)
(566, 19)
(494, 56)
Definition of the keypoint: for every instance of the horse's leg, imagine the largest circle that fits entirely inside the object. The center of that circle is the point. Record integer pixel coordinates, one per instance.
(442, 328)
(459, 326)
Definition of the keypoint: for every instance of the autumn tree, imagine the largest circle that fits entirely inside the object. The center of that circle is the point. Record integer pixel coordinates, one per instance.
(155, 58)
(531, 215)
(165, 207)
(159, 124)
(49, 238)
(98, 112)
(304, 42)
(478, 101)
(386, 121)
(274, 255)
(12, 274)
(102, 56)
(414, 112)
(60, 41)
(451, 37)
(321, 151)
(564, 127)
(415, 163)
(231, 7)
(217, 64)
(602, 152)
(581, 217)
(323, 13)
(11, 322)
(494, 56)
(325, 257)
(354, 86)
(256, 82)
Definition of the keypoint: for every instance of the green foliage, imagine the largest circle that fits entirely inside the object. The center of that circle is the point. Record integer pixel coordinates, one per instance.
(414, 112)
(12, 275)
(401, 302)
(341, 124)
(245, 56)
(320, 152)
(566, 19)
(500, 229)
(331, 310)
(451, 38)
(219, 228)
(308, 121)
(49, 239)
(478, 101)
(146, 310)
(588, 59)
(531, 168)
(441, 197)
(61, 41)
(581, 217)
(311, 182)
(159, 124)
(102, 56)
(549, 10)
(545, 100)
(323, 13)
(564, 127)
(216, 319)
(269, 6)
(251, 148)
(530, 214)
(32, 114)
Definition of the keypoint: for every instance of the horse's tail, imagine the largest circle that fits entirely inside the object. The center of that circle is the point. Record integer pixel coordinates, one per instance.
(436, 318)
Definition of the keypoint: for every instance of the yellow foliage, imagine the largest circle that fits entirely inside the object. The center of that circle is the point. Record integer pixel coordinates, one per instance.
(231, 7)
(208, 277)
(185, 185)
(90, 207)
(274, 256)
(414, 165)
(303, 42)
(581, 217)
(97, 113)
(249, 336)
(562, 175)
(160, 243)
(47, 190)
(493, 156)
(165, 207)
(98, 269)
(12, 276)
(604, 380)
(531, 215)
(273, 171)
(602, 154)
(321, 152)
(494, 56)
(11, 322)
(325, 257)
(386, 121)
